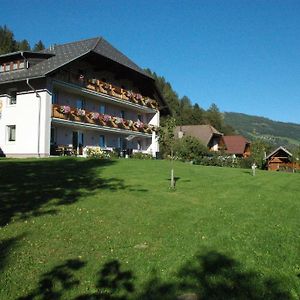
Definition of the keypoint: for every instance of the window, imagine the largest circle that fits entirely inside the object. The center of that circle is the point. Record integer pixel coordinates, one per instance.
(55, 97)
(80, 103)
(102, 141)
(102, 109)
(13, 97)
(121, 143)
(11, 133)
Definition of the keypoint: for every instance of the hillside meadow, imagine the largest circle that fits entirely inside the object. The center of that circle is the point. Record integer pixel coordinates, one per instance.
(74, 228)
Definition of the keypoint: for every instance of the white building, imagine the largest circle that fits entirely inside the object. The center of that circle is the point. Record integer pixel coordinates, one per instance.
(74, 95)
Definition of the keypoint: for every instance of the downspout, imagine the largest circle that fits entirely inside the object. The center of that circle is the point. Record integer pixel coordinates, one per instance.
(39, 114)
(39, 97)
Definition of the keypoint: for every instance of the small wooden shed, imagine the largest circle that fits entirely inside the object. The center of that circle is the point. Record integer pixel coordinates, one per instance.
(279, 160)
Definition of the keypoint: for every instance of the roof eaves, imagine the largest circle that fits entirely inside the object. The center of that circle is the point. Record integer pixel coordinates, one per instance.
(22, 79)
(67, 62)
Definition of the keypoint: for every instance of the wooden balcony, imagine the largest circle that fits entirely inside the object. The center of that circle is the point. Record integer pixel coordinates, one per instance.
(104, 88)
(68, 113)
(109, 89)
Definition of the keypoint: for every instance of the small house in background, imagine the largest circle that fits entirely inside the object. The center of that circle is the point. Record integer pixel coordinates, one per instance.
(207, 134)
(281, 160)
(236, 145)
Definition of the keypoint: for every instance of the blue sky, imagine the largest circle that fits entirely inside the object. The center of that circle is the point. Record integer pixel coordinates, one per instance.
(241, 55)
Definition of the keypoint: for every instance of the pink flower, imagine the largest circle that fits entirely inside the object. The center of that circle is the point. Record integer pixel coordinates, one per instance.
(106, 118)
(95, 116)
(65, 109)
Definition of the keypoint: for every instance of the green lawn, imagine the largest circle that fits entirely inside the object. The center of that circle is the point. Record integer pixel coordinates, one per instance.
(87, 229)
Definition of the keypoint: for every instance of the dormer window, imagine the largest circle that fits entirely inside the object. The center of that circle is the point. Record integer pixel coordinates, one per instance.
(12, 66)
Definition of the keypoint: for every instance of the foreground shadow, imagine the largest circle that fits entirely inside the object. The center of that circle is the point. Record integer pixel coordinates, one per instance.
(36, 187)
(55, 283)
(209, 276)
(6, 245)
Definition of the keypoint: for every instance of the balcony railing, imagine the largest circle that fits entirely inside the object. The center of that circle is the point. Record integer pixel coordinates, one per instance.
(80, 115)
(101, 87)
(109, 89)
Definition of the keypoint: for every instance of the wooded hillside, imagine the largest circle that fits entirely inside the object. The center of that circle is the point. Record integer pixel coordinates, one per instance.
(274, 132)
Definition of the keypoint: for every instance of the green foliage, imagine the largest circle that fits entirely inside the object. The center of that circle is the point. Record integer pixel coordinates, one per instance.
(259, 150)
(23, 45)
(9, 44)
(214, 117)
(189, 148)
(140, 155)
(7, 40)
(39, 46)
(254, 127)
(184, 112)
(96, 152)
(167, 137)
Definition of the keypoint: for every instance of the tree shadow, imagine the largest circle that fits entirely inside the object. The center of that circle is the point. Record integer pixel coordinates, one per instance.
(55, 283)
(36, 187)
(113, 283)
(6, 245)
(214, 275)
(211, 275)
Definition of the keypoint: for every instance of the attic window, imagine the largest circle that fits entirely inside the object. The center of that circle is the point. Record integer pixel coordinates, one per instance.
(12, 66)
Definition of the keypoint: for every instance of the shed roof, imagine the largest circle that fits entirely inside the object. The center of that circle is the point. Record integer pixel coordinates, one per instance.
(235, 144)
(276, 151)
(203, 132)
(60, 55)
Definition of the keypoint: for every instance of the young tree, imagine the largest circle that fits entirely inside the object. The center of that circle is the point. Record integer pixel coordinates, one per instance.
(167, 141)
(259, 150)
(190, 148)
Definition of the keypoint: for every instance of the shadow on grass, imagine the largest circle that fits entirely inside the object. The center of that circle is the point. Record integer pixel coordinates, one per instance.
(6, 245)
(209, 276)
(37, 187)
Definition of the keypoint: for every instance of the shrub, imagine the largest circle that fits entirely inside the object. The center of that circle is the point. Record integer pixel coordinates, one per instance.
(189, 149)
(140, 155)
(96, 152)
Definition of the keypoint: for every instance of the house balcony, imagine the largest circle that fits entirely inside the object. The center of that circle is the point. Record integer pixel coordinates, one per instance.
(96, 89)
(82, 118)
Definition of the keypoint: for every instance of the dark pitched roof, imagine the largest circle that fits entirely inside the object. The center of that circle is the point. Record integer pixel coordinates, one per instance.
(235, 144)
(203, 132)
(66, 53)
(279, 149)
(19, 55)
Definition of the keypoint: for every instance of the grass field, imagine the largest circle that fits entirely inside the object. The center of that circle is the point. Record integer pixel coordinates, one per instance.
(87, 229)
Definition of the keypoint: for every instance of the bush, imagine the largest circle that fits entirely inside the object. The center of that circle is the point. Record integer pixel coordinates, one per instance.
(96, 152)
(189, 149)
(217, 160)
(246, 163)
(140, 155)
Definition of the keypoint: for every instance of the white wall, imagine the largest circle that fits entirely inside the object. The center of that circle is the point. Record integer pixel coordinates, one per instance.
(25, 115)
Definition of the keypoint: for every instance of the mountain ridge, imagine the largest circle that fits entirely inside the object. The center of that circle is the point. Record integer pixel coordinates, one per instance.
(253, 127)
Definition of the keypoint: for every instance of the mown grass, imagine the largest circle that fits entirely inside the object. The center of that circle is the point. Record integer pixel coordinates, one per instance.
(78, 229)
